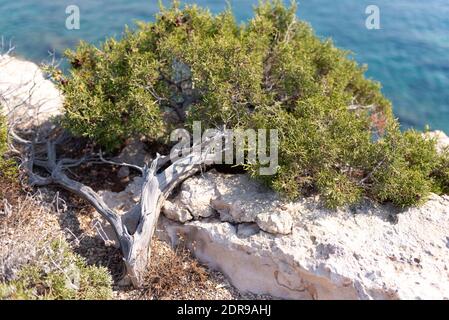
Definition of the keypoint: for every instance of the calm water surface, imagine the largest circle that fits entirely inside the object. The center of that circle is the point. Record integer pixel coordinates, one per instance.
(409, 55)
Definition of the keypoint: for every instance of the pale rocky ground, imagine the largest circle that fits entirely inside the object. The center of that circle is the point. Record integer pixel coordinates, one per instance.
(365, 252)
(441, 137)
(265, 245)
(25, 94)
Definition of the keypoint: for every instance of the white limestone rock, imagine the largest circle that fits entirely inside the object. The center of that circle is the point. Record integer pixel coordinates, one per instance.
(276, 223)
(348, 254)
(174, 212)
(441, 138)
(247, 229)
(236, 198)
(123, 201)
(196, 196)
(26, 96)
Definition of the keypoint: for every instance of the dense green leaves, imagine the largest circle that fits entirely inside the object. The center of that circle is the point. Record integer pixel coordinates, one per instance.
(8, 170)
(338, 136)
(3, 135)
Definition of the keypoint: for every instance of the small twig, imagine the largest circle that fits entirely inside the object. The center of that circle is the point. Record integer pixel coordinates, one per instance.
(372, 172)
(122, 164)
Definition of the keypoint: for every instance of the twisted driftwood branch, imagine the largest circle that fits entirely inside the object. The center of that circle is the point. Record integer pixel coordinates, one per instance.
(135, 229)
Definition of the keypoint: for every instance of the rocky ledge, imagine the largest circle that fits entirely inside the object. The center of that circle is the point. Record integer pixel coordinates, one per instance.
(26, 96)
(300, 250)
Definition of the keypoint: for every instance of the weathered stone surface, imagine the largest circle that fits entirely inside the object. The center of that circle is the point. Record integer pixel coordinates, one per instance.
(357, 253)
(347, 254)
(173, 212)
(247, 229)
(441, 138)
(276, 223)
(236, 198)
(123, 201)
(134, 153)
(196, 197)
(26, 96)
(241, 199)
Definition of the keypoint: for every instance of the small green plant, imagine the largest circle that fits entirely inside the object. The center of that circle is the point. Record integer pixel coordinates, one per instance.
(338, 136)
(8, 170)
(440, 174)
(59, 274)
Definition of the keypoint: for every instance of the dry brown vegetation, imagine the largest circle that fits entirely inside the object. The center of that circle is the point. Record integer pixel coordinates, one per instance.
(175, 275)
(44, 216)
(24, 221)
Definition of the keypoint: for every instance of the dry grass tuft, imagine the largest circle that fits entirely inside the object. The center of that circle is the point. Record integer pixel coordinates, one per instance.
(174, 274)
(24, 224)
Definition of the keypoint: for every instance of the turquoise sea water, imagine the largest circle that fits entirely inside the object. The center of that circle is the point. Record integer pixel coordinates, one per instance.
(409, 54)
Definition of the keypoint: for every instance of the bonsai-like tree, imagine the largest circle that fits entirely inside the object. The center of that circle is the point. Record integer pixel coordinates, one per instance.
(338, 136)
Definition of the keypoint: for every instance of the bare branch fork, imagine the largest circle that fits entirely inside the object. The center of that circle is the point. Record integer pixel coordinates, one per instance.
(134, 230)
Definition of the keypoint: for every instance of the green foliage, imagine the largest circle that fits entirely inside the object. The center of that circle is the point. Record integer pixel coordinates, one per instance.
(59, 274)
(8, 170)
(337, 189)
(337, 132)
(106, 98)
(440, 174)
(405, 164)
(3, 135)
